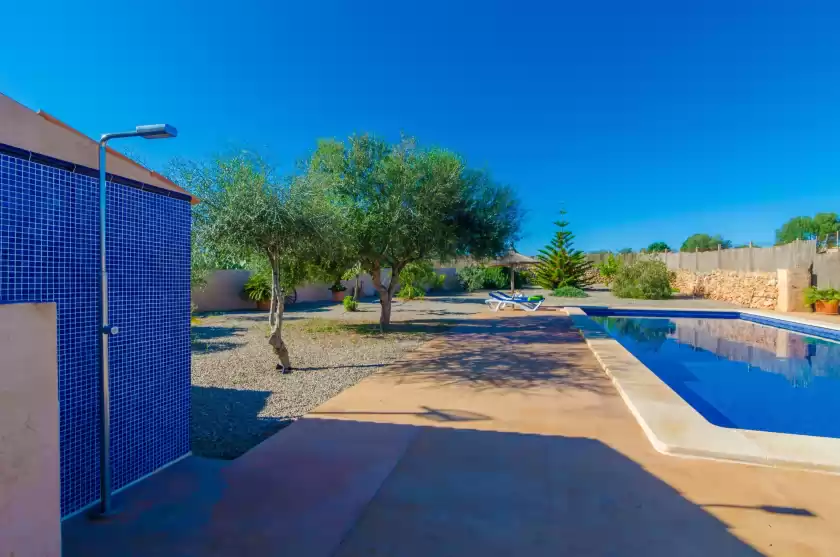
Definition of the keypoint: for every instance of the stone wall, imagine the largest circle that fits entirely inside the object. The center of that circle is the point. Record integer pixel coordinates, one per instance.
(593, 276)
(751, 290)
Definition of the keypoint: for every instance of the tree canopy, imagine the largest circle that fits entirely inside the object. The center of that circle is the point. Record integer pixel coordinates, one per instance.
(245, 210)
(560, 264)
(402, 204)
(705, 242)
(657, 247)
(808, 228)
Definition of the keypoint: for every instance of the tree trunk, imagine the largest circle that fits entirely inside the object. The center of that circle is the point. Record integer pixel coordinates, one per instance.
(276, 321)
(275, 297)
(386, 293)
(356, 289)
(385, 312)
(512, 284)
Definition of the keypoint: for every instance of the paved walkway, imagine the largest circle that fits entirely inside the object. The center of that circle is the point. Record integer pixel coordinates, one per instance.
(503, 438)
(819, 317)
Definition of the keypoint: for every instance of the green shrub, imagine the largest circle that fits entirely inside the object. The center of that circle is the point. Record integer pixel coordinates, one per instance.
(648, 280)
(477, 277)
(525, 276)
(496, 278)
(814, 295)
(608, 268)
(471, 278)
(569, 292)
(413, 279)
(350, 303)
(258, 287)
(409, 292)
(438, 282)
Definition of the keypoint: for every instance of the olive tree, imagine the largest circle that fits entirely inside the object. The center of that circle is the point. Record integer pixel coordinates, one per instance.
(705, 242)
(401, 204)
(808, 228)
(245, 210)
(658, 247)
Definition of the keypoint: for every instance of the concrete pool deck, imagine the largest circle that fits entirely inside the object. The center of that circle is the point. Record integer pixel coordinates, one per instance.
(502, 438)
(675, 428)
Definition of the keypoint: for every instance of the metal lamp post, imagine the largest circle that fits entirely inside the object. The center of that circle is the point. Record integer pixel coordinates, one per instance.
(156, 131)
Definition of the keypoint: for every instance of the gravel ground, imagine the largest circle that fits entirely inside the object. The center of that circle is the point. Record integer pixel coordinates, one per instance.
(238, 397)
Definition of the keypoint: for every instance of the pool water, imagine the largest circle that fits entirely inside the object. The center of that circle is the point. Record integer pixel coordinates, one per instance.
(738, 373)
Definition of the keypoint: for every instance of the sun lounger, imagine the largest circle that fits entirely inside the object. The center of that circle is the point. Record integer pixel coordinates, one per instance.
(500, 300)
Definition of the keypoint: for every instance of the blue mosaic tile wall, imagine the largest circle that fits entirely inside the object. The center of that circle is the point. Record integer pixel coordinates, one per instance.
(49, 239)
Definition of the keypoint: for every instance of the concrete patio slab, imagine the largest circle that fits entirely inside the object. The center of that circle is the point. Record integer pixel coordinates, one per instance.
(295, 494)
(503, 438)
(814, 319)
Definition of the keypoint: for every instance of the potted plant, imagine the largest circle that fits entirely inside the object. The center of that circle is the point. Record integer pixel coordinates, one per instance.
(824, 300)
(338, 291)
(258, 289)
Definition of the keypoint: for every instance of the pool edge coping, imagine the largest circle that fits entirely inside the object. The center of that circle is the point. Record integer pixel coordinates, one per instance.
(674, 428)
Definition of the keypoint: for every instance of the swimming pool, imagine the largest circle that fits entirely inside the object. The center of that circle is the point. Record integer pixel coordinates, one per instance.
(738, 373)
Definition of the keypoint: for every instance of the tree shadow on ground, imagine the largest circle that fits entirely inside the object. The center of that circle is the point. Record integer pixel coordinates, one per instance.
(442, 415)
(349, 366)
(455, 299)
(415, 326)
(488, 353)
(260, 315)
(351, 488)
(772, 509)
(207, 339)
(597, 288)
(253, 317)
(243, 314)
(310, 307)
(226, 422)
(446, 312)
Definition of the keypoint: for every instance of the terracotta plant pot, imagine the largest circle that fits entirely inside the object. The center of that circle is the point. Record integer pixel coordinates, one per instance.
(264, 305)
(339, 296)
(826, 306)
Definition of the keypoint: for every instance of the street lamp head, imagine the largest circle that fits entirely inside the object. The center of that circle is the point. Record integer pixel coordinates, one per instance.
(156, 131)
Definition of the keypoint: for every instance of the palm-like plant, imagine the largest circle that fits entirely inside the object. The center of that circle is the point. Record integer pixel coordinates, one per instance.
(560, 264)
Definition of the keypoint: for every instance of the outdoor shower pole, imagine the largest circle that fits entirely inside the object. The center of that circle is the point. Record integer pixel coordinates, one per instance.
(105, 331)
(157, 131)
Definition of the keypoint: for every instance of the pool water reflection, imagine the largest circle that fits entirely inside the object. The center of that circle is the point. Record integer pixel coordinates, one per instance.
(740, 374)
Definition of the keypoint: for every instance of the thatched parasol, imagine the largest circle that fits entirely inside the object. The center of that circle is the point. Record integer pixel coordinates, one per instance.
(513, 259)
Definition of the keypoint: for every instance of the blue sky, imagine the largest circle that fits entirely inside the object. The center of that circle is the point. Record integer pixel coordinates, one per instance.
(645, 120)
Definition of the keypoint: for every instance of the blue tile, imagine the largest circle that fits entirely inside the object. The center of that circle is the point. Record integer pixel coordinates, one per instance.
(812, 330)
(49, 238)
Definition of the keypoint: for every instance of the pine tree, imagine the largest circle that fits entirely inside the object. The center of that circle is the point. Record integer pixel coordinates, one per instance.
(560, 264)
